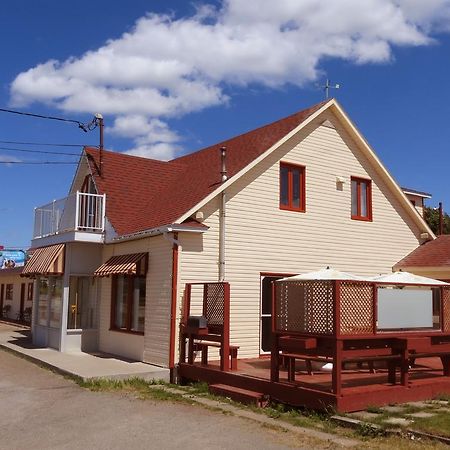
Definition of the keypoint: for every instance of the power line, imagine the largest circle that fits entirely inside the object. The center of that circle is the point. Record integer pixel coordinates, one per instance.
(38, 162)
(42, 143)
(9, 149)
(40, 116)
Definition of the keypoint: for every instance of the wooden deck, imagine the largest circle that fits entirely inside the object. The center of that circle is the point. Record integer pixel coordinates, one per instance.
(360, 387)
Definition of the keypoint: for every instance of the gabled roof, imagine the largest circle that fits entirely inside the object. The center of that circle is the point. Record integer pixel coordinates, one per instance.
(144, 193)
(432, 254)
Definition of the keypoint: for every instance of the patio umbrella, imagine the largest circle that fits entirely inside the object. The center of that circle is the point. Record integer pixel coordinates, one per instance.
(407, 278)
(324, 274)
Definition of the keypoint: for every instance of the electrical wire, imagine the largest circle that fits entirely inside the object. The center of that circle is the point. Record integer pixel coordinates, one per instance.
(9, 149)
(43, 144)
(61, 119)
(39, 162)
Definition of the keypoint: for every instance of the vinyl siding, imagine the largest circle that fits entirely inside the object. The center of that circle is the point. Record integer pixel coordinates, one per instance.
(153, 347)
(262, 238)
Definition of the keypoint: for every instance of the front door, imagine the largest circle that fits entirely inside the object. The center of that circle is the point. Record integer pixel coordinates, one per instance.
(266, 311)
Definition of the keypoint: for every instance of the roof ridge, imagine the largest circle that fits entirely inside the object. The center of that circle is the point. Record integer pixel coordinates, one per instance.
(255, 130)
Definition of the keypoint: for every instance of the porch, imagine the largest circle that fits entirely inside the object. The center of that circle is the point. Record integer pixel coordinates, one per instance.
(330, 350)
(78, 217)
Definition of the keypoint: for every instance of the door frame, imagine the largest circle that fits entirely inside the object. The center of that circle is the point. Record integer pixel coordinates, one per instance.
(22, 300)
(263, 275)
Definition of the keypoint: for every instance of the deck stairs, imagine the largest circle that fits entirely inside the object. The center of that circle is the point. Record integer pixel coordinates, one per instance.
(240, 395)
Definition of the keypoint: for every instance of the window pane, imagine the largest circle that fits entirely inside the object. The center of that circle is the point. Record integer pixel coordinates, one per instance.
(55, 297)
(284, 191)
(43, 302)
(121, 302)
(295, 188)
(363, 199)
(354, 198)
(138, 304)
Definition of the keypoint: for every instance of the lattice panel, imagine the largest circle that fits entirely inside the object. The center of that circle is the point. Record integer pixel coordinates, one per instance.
(214, 301)
(446, 309)
(356, 308)
(305, 307)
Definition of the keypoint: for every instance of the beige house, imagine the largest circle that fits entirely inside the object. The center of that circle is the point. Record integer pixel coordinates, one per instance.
(293, 196)
(16, 295)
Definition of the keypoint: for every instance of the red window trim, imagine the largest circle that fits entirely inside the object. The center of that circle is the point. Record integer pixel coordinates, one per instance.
(302, 205)
(368, 183)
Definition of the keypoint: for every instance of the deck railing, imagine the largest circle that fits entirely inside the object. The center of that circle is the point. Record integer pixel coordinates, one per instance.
(77, 212)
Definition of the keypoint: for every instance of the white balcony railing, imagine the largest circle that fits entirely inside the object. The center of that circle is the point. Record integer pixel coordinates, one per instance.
(77, 212)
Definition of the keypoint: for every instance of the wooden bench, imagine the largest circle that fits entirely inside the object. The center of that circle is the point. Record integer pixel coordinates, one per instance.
(204, 345)
(292, 357)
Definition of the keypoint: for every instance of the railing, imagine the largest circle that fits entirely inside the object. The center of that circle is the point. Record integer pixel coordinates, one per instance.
(77, 212)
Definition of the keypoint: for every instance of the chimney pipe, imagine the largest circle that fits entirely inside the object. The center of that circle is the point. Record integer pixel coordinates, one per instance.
(223, 172)
(441, 220)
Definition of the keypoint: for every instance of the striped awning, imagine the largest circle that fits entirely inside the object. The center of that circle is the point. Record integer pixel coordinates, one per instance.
(132, 264)
(45, 261)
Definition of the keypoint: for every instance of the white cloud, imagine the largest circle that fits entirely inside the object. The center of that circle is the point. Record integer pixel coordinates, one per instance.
(166, 67)
(8, 158)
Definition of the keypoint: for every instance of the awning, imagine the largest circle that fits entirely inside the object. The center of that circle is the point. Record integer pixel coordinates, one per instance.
(45, 261)
(132, 264)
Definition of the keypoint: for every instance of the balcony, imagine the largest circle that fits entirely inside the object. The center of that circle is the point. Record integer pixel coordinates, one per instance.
(78, 217)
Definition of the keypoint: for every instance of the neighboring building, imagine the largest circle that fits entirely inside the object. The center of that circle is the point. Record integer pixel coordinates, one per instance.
(302, 193)
(429, 260)
(417, 198)
(16, 295)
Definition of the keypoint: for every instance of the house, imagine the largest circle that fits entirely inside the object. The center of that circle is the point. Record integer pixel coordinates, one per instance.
(16, 295)
(417, 198)
(302, 193)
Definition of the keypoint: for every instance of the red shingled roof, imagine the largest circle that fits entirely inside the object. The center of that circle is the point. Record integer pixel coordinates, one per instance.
(432, 254)
(144, 193)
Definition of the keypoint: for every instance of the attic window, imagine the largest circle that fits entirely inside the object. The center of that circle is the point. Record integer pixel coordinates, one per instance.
(292, 187)
(88, 186)
(361, 199)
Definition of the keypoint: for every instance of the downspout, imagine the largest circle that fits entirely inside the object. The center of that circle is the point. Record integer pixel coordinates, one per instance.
(173, 302)
(222, 216)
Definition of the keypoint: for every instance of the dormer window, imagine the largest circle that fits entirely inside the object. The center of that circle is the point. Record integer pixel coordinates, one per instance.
(292, 187)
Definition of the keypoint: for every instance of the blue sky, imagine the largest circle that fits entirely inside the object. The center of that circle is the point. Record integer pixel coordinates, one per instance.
(188, 75)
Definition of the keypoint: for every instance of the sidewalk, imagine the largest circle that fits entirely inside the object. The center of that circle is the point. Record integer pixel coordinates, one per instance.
(84, 365)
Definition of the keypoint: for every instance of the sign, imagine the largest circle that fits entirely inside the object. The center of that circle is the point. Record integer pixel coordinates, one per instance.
(11, 258)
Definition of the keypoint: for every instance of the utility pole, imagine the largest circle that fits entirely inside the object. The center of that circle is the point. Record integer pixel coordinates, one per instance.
(100, 123)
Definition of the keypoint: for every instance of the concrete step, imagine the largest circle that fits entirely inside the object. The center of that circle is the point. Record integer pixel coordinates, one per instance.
(239, 395)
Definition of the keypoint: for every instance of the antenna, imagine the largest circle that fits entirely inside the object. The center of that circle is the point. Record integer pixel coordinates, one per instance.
(329, 86)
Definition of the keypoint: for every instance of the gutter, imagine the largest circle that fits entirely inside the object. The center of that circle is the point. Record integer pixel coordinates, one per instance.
(173, 302)
(173, 228)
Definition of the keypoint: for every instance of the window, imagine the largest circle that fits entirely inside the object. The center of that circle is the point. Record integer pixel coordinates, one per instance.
(9, 292)
(30, 292)
(128, 303)
(361, 199)
(292, 187)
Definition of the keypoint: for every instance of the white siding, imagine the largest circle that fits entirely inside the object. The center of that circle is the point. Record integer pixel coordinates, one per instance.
(153, 347)
(262, 238)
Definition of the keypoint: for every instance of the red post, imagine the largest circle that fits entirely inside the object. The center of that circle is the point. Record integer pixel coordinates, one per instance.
(275, 356)
(337, 368)
(375, 307)
(337, 308)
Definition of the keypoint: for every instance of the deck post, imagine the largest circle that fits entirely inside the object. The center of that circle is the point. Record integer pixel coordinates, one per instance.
(337, 368)
(446, 365)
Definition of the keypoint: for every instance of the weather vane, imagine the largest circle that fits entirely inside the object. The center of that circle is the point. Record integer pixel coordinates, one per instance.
(326, 88)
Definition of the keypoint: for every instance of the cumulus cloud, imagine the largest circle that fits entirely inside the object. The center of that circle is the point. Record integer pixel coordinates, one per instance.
(166, 67)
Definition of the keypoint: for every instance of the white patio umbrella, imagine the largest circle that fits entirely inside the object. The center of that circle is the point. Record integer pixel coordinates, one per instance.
(407, 278)
(324, 274)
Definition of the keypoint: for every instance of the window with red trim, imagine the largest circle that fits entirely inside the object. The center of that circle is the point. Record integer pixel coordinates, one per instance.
(361, 199)
(292, 187)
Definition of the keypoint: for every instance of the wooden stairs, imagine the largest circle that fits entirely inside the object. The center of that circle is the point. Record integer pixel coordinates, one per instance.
(240, 395)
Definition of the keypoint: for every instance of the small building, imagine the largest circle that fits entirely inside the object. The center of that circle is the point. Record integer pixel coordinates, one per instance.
(113, 258)
(16, 295)
(417, 198)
